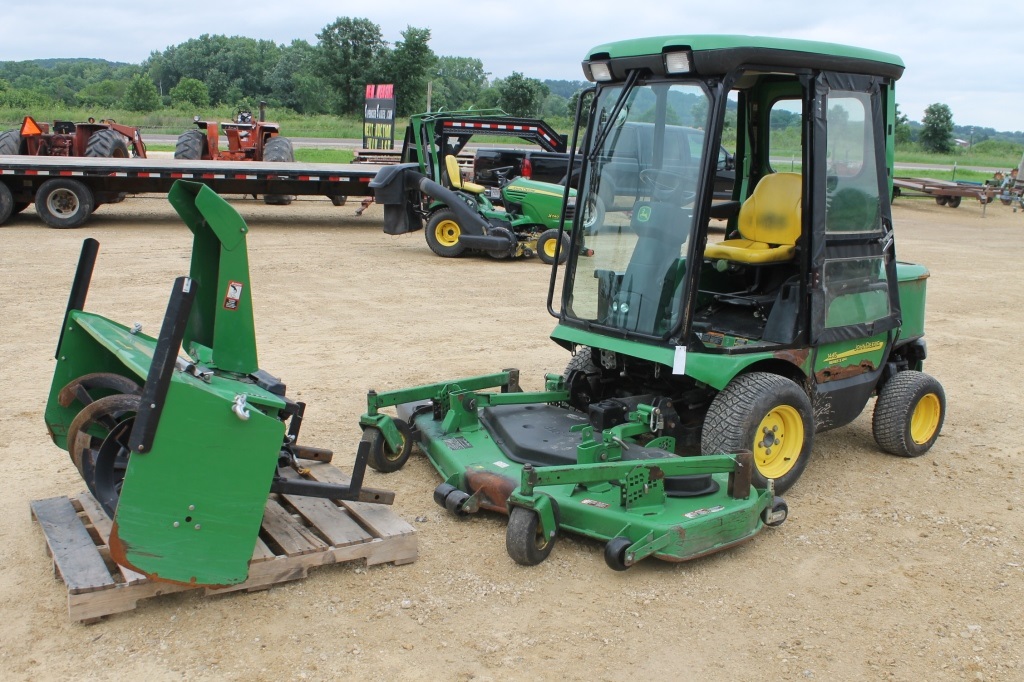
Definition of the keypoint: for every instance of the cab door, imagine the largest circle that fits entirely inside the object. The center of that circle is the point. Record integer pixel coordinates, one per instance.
(854, 297)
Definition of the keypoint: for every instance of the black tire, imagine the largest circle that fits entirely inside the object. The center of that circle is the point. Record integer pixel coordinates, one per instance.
(190, 145)
(338, 199)
(10, 143)
(941, 201)
(278, 150)
(953, 202)
(593, 215)
(455, 502)
(547, 243)
(442, 492)
(582, 361)
(6, 203)
(523, 540)
(64, 203)
(755, 402)
(909, 413)
(443, 232)
(382, 458)
(107, 144)
(771, 514)
(615, 553)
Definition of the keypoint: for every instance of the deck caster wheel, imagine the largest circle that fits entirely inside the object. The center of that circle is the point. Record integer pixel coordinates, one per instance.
(382, 458)
(442, 492)
(776, 513)
(615, 553)
(455, 503)
(524, 540)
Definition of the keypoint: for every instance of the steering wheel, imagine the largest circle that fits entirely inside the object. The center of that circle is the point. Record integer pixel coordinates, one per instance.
(667, 186)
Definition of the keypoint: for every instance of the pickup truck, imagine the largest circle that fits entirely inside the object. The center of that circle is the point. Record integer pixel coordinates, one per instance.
(633, 153)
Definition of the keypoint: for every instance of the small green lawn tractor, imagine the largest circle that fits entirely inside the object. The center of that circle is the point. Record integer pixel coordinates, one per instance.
(182, 452)
(530, 218)
(688, 349)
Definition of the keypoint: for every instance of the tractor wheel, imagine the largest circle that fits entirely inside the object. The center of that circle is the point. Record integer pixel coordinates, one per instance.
(443, 232)
(103, 459)
(593, 215)
(10, 143)
(278, 150)
(941, 201)
(382, 457)
(6, 203)
(908, 414)
(768, 415)
(107, 144)
(953, 202)
(581, 361)
(190, 145)
(523, 539)
(615, 553)
(64, 203)
(547, 244)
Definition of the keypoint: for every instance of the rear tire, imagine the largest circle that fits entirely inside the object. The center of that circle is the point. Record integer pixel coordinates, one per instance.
(190, 146)
(941, 201)
(768, 415)
(10, 143)
(547, 243)
(443, 232)
(64, 203)
(953, 202)
(278, 150)
(909, 413)
(107, 144)
(6, 203)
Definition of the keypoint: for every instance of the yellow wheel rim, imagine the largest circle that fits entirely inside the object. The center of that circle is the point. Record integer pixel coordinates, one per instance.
(549, 248)
(925, 419)
(447, 233)
(778, 441)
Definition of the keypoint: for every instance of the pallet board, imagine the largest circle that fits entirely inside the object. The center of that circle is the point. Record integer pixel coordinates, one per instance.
(297, 534)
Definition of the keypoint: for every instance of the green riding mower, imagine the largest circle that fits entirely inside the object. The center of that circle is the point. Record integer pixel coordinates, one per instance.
(530, 215)
(702, 367)
(182, 452)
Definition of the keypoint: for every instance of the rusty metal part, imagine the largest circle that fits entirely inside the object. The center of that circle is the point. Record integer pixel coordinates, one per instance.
(80, 388)
(107, 413)
(310, 453)
(837, 373)
(491, 489)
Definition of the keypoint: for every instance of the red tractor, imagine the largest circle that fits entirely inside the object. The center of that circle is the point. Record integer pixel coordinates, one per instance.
(104, 139)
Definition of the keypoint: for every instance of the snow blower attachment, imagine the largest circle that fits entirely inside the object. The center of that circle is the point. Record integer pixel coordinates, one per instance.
(182, 453)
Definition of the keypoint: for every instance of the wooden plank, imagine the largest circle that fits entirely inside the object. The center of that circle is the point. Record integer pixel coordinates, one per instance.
(71, 546)
(379, 519)
(328, 518)
(99, 519)
(288, 535)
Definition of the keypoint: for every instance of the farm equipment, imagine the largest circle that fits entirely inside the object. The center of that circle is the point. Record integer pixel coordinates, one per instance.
(248, 140)
(106, 139)
(532, 211)
(182, 452)
(701, 369)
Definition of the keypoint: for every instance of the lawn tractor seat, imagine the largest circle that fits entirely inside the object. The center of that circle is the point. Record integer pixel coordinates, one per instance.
(451, 163)
(769, 224)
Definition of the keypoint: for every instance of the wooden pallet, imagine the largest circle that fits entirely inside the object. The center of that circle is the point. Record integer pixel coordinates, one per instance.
(298, 533)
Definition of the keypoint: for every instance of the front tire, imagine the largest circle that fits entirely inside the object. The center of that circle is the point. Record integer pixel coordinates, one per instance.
(547, 244)
(523, 539)
(909, 413)
(382, 458)
(768, 415)
(64, 203)
(443, 232)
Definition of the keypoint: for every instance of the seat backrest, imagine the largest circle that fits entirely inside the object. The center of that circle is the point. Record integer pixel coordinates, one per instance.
(451, 163)
(771, 214)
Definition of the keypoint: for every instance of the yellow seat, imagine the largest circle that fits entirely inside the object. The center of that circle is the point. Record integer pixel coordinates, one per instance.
(769, 223)
(455, 177)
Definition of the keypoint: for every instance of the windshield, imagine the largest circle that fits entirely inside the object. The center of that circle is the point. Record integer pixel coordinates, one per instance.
(638, 203)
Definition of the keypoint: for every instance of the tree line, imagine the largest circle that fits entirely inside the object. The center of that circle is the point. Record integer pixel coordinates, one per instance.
(328, 77)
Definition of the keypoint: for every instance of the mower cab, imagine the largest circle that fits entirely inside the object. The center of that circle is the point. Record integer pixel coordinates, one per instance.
(687, 342)
(182, 452)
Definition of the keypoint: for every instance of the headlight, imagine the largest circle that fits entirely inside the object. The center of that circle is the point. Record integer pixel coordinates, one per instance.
(677, 62)
(601, 71)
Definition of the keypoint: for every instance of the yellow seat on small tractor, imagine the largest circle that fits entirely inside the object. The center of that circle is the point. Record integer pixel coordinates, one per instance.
(455, 177)
(769, 223)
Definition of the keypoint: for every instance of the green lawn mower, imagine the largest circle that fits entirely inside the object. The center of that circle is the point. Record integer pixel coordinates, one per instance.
(702, 367)
(182, 452)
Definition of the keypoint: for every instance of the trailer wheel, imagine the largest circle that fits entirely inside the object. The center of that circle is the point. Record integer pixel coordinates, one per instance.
(766, 414)
(615, 553)
(6, 203)
(953, 202)
(10, 143)
(908, 414)
(190, 145)
(523, 539)
(107, 144)
(278, 150)
(547, 243)
(443, 232)
(382, 458)
(338, 199)
(941, 201)
(64, 203)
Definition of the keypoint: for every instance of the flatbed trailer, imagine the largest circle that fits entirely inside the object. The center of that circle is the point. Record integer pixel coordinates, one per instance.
(945, 192)
(65, 191)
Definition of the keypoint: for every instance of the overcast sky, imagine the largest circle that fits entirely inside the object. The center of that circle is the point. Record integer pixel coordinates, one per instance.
(966, 56)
